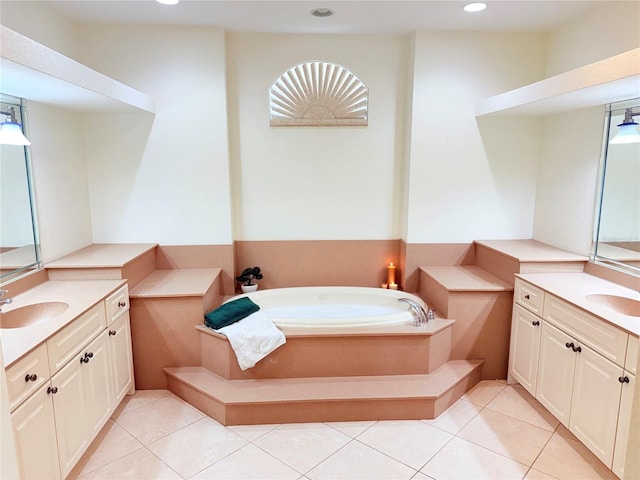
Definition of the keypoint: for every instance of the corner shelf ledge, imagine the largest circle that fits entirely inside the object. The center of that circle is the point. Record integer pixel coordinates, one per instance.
(35, 72)
(612, 79)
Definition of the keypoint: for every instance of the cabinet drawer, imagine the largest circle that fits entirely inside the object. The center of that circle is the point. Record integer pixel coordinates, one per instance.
(604, 338)
(117, 303)
(26, 375)
(68, 341)
(631, 362)
(530, 297)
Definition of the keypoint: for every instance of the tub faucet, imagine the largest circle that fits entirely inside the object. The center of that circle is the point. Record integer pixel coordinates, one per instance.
(4, 301)
(421, 315)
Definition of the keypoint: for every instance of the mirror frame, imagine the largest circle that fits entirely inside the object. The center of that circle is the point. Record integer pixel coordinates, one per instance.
(602, 170)
(37, 264)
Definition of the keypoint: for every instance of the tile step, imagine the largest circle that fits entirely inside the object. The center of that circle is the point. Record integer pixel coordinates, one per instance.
(386, 397)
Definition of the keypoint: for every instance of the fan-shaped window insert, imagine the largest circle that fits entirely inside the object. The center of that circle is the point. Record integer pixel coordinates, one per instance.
(318, 94)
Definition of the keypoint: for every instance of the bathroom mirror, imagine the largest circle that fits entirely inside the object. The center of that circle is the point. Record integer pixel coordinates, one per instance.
(617, 223)
(19, 247)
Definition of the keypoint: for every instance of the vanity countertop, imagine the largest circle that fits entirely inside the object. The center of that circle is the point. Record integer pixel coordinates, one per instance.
(574, 288)
(79, 294)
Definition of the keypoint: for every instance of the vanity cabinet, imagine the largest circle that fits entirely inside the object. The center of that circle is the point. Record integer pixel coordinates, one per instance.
(89, 369)
(574, 364)
(34, 430)
(525, 343)
(119, 332)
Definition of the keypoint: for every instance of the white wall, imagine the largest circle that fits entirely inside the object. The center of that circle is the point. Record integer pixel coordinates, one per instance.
(60, 179)
(572, 142)
(162, 179)
(567, 179)
(598, 34)
(301, 183)
(471, 178)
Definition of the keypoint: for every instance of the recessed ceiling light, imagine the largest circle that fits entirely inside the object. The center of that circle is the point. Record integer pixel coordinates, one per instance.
(168, 2)
(322, 12)
(474, 7)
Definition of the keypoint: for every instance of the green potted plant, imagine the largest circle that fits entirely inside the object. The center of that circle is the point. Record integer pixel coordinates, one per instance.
(247, 277)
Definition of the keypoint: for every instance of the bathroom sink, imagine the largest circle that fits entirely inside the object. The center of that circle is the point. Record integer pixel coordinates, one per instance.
(622, 305)
(31, 314)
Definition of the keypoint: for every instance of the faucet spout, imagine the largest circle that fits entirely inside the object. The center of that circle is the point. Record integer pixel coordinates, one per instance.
(4, 301)
(419, 312)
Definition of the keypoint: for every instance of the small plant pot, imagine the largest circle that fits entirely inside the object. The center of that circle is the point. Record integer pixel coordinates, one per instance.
(249, 288)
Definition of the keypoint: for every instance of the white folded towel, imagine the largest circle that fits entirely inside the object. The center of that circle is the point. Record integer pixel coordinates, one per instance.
(253, 338)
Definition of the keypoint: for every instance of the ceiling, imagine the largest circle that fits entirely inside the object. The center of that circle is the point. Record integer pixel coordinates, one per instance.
(351, 16)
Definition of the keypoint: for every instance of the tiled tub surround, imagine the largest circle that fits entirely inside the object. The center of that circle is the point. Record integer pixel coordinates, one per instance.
(66, 374)
(579, 359)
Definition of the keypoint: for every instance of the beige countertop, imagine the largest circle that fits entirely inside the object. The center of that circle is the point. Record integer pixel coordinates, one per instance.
(176, 283)
(574, 288)
(79, 294)
(101, 255)
(529, 250)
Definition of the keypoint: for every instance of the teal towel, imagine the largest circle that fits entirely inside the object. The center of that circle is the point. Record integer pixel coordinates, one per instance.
(230, 312)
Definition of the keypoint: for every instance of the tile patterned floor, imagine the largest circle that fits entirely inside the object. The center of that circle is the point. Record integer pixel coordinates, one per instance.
(494, 432)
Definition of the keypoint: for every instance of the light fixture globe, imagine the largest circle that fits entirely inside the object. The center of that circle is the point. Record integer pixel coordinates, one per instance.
(627, 130)
(11, 134)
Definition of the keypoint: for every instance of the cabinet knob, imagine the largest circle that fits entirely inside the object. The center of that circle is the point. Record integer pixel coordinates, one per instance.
(53, 390)
(122, 304)
(577, 349)
(569, 345)
(527, 297)
(112, 333)
(535, 323)
(31, 378)
(624, 379)
(87, 356)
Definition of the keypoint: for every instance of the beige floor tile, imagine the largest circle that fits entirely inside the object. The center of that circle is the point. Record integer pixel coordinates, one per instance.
(158, 418)
(112, 442)
(353, 429)
(421, 476)
(518, 403)
(139, 465)
(141, 398)
(357, 461)
(513, 438)
(534, 474)
(564, 458)
(252, 432)
(455, 417)
(248, 463)
(196, 446)
(463, 460)
(412, 442)
(302, 446)
(564, 431)
(484, 392)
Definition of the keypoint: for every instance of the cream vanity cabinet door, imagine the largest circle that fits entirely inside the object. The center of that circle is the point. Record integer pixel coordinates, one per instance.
(595, 401)
(555, 371)
(70, 414)
(83, 401)
(121, 357)
(524, 347)
(119, 327)
(624, 423)
(34, 431)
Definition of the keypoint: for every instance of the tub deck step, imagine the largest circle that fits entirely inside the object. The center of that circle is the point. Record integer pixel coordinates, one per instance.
(349, 398)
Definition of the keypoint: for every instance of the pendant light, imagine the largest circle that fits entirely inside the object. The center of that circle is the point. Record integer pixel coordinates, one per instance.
(11, 130)
(627, 130)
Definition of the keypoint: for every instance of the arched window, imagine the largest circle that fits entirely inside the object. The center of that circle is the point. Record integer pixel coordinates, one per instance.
(318, 94)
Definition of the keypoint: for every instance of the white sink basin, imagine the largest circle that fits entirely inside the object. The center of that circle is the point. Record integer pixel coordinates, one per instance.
(32, 314)
(622, 305)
